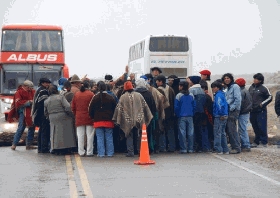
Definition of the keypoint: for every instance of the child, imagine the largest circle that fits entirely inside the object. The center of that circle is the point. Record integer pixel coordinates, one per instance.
(184, 108)
(220, 113)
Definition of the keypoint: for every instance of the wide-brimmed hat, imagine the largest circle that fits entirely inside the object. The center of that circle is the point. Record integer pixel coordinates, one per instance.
(156, 68)
(44, 80)
(75, 78)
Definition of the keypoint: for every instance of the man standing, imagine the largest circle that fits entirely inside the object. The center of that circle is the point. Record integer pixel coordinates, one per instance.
(233, 96)
(21, 108)
(258, 117)
(205, 75)
(156, 71)
(130, 114)
(39, 118)
(169, 115)
(199, 119)
(243, 119)
(76, 84)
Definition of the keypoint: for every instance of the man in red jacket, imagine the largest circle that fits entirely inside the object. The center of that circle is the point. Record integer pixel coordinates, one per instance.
(21, 109)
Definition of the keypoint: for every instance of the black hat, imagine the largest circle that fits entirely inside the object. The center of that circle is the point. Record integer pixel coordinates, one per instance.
(108, 77)
(44, 80)
(161, 78)
(156, 68)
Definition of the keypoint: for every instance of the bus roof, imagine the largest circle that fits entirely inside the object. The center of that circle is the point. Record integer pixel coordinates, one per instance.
(30, 27)
(163, 35)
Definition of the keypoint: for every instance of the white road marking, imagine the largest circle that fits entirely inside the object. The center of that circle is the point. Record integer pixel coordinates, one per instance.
(248, 170)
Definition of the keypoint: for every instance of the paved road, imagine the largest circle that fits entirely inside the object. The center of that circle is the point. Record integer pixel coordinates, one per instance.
(28, 174)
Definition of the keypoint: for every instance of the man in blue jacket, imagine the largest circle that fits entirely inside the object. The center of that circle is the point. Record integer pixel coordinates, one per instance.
(233, 96)
(220, 113)
(184, 108)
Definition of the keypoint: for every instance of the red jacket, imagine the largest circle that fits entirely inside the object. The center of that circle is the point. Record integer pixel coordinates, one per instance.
(21, 98)
(80, 104)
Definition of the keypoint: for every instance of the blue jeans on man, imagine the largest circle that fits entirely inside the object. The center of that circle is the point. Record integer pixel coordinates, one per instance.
(243, 120)
(20, 130)
(185, 128)
(220, 139)
(104, 134)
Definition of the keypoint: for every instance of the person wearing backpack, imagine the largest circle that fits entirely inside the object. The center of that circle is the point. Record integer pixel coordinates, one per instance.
(243, 118)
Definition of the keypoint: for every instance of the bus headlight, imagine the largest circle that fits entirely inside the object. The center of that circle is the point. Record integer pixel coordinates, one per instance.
(7, 100)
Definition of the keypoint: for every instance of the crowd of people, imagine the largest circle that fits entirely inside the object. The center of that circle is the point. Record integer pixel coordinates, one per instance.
(191, 115)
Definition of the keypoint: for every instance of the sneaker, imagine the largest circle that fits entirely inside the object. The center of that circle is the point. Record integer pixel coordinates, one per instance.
(263, 145)
(219, 153)
(246, 150)
(190, 151)
(234, 151)
(226, 153)
(30, 147)
(13, 147)
(254, 145)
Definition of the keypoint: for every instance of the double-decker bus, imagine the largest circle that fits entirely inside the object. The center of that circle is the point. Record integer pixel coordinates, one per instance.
(29, 52)
(172, 54)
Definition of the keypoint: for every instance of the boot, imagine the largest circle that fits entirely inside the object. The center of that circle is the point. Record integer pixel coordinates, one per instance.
(30, 147)
(13, 147)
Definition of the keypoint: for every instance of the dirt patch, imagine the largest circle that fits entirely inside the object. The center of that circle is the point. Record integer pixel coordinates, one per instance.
(266, 157)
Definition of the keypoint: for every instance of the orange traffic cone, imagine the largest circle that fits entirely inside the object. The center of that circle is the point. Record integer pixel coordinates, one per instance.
(36, 128)
(144, 150)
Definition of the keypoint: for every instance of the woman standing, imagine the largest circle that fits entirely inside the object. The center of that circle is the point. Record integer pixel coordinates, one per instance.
(101, 110)
(83, 121)
(58, 110)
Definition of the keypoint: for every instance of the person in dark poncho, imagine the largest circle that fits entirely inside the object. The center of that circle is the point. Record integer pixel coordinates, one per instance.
(38, 117)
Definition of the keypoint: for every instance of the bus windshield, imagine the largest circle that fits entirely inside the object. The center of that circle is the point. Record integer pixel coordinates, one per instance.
(15, 75)
(169, 44)
(29, 40)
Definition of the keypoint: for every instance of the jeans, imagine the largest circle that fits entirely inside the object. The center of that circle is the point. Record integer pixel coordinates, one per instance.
(234, 138)
(104, 141)
(169, 135)
(89, 131)
(220, 139)
(20, 130)
(259, 124)
(185, 126)
(242, 130)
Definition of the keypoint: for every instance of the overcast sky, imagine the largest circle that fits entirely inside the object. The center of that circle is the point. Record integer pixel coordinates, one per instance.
(238, 36)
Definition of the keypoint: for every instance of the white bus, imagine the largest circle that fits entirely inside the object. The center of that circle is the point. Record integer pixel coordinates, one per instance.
(172, 54)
